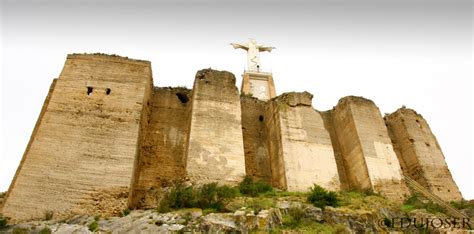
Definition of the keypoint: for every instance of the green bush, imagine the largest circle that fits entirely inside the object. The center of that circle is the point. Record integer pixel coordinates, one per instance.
(253, 188)
(179, 196)
(208, 196)
(19, 230)
(320, 197)
(214, 196)
(93, 226)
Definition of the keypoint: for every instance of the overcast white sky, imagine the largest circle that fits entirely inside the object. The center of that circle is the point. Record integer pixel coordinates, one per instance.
(405, 52)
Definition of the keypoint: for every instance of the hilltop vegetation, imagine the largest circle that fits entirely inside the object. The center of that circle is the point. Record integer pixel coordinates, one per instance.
(253, 205)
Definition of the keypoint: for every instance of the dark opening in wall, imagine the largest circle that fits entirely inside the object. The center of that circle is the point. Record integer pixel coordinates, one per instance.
(412, 140)
(260, 118)
(419, 124)
(427, 144)
(182, 97)
(89, 90)
(107, 91)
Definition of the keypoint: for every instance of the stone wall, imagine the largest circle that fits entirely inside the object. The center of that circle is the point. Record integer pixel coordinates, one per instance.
(369, 159)
(329, 126)
(420, 154)
(106, 139)
(216, 150)
(274, 145)
(306, 156)
(163, 153)
(86, 138)
(255, 139)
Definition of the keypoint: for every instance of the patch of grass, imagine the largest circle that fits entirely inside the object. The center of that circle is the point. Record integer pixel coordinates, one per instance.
(291, 223)
(253, 188)
(320, 197)
(259, 203)
(19, 230)
(45, 230)
(297, 213)
(463, 204)
(284, 194)
(414, 202)
(124, 213)
(358, 200)
(208, 211)
(93, 226)
(3, 222)
(207, 196)
(407, 208)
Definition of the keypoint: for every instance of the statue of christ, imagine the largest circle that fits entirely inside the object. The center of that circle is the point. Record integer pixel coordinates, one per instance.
(253, 49)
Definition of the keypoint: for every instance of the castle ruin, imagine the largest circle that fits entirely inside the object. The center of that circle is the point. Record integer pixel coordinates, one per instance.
(107, 139)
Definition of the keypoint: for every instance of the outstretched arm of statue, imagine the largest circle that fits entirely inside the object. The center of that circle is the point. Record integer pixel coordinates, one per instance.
(239, 46)
(266, 48)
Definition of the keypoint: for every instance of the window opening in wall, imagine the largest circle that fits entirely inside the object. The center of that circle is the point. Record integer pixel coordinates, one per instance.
(260, 118)
(107, 91)
(89, 90)
(182, 97)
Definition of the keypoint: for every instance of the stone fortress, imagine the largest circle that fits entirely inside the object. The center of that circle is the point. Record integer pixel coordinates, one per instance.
(107, 139)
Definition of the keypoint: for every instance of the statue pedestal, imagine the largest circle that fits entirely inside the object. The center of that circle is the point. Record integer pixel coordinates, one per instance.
(258, 84)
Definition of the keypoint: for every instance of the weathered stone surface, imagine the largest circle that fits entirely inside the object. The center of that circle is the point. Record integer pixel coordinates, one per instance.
(314, 213)
(216, 149)
(341, 171)
(306, 156)
(369, 159)
(85, 139)
(163, 153)
(254, 132)
(420, 154)
(296, 99)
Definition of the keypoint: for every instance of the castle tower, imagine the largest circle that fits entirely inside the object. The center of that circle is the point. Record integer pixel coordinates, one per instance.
(85, 142)
(299, 144)
(420, 154)
(255, 82)
(215, 151)
(369, 159)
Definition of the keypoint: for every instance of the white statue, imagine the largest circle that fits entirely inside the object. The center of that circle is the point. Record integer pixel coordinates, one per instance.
(253, 57)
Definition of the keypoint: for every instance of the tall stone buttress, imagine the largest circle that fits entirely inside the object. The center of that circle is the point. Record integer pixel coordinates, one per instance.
(85, 141)
(420, 154)
(369, 159)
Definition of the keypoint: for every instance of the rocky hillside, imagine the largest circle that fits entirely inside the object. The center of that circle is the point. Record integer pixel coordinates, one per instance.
(269, 211)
